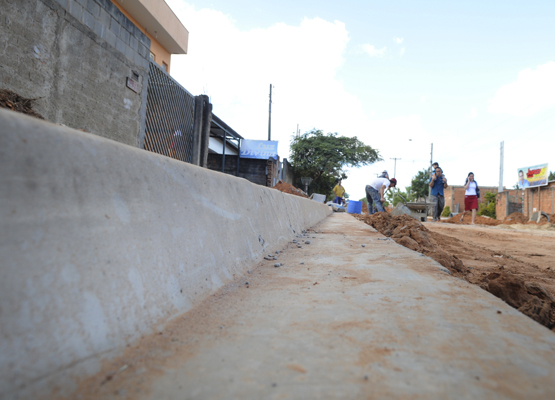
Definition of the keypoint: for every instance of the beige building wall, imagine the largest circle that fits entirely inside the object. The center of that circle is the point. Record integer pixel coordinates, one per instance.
(170, 31)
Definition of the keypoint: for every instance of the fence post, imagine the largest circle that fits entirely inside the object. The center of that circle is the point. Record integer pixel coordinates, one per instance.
(142, 118)
(205, 134)
(197, 130)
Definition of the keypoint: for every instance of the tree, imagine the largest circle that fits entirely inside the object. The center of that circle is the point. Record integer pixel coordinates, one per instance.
(395, 199)
(487, 208)
(419, 185)
(323, 157)
(551, 176)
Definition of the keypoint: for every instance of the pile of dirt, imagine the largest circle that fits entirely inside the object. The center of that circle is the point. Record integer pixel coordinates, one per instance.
(287, 188)
(531, 299)
(13, 101)
(364, 208)
(467, 219)
(410, 233)
(515, 218)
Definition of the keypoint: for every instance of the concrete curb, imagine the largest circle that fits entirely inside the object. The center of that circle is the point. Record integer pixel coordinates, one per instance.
(101, 243)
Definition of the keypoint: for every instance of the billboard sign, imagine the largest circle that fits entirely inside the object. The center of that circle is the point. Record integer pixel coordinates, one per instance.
(261, 149)
(532, 176)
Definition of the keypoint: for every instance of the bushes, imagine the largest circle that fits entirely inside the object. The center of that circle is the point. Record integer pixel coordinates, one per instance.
(487, 208)
(446, 212)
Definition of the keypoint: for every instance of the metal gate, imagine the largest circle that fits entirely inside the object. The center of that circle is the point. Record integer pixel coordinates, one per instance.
(170, 112)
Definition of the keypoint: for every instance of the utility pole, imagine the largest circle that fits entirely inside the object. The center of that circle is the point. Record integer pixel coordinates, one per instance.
(270, 116)
(500, 189)
(394, 172)
(395, 167)
(431, 172)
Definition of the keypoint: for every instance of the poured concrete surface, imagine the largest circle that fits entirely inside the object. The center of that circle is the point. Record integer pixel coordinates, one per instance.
(378, 321)
(101, 243)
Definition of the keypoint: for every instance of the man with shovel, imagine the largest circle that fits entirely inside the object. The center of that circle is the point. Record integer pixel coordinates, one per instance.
(375, 192)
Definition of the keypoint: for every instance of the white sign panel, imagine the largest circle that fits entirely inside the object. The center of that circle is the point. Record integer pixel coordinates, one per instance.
(262, 149)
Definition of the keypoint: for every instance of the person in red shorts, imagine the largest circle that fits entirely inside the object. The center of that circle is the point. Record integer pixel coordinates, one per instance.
(471, 195)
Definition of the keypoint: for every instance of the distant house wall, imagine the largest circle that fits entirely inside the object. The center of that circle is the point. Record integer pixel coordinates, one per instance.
(529, 201)
(540, 199)
(74, 57)
(455, 195)
(261, 172)
(162, 56)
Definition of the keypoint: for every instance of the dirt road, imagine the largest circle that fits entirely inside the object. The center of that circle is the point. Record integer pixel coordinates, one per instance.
(527, 253)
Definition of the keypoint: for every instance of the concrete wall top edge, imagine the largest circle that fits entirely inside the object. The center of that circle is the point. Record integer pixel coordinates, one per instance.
(102, 241)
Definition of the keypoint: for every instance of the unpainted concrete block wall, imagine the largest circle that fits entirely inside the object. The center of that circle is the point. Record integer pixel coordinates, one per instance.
(287, 172)
(74, 57)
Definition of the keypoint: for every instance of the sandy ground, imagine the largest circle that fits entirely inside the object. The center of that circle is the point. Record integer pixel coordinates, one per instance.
(526, 251)
(349, 315)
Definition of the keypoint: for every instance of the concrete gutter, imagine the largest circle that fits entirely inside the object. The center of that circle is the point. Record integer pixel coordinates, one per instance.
(340, 321)
(101, 243)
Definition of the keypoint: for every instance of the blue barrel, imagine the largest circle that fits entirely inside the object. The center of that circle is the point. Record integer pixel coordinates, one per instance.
(354, 207)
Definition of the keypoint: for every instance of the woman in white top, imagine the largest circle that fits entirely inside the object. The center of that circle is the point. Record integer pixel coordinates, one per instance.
(470, 196)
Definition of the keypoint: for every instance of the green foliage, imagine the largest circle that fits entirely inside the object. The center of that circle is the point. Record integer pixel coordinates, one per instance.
(419, 185)
(487, 208)
(395, 199)
(446, 212)
(323, 157)
(551, 176)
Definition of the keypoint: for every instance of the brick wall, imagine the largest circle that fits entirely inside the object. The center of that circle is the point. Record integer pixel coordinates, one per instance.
(455, 195)
(540, 199)
(74, 57)
(527, 201)
(508, 201)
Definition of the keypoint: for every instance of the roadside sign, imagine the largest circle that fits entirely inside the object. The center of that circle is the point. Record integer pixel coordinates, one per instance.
(261, 149)
(533, 176)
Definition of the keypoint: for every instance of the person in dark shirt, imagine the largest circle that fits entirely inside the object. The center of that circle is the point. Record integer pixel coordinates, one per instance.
(438, 182)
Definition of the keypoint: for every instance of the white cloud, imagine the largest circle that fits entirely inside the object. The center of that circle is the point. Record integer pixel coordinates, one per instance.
(473, 113)
(531, 93)
(235, 68)
(423, 99)
(402, 51)
(373, 51)
(398, 40)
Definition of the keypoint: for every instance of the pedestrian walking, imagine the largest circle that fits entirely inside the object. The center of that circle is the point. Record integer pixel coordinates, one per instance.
(375, 192)
(438, 182)
(471, 196)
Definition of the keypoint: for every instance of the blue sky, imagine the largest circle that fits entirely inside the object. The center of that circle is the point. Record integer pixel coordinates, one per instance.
(461, 75)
